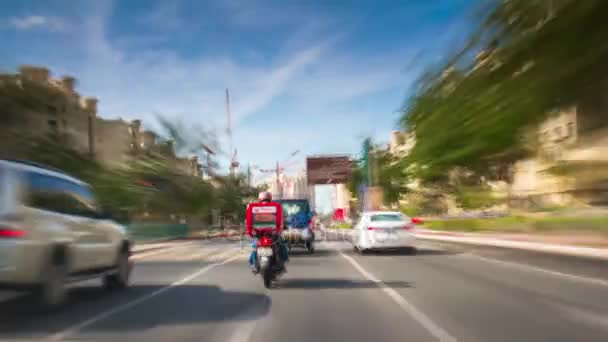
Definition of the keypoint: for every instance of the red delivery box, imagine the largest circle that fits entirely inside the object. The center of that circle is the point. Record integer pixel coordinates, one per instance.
(263, 216)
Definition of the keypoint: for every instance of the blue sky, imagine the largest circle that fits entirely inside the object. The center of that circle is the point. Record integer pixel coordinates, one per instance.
(314, 76)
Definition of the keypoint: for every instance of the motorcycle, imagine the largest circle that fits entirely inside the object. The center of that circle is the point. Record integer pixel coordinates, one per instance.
(267, 258)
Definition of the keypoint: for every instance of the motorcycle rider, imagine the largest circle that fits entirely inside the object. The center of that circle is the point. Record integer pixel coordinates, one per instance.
(283, 253)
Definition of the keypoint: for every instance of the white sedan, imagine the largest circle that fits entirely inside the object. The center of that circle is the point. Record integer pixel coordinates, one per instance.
(384, 230)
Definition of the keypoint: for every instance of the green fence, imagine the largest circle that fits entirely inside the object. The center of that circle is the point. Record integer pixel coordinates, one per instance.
(157, 231)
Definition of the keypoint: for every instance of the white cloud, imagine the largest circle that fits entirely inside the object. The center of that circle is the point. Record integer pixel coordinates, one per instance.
(137, 83)
(166, 15)
(31, 22)
(161, 81)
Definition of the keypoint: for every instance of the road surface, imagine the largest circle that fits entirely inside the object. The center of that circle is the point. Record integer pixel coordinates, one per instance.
(203, 291)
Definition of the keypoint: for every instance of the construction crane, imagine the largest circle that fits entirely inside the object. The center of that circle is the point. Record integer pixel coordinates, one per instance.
(234, 164)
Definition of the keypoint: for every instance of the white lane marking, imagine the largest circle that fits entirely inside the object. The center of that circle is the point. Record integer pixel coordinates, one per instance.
(203, 254)
(420, 317)
(225, 254)
(160, 251)
(572, 277)
(77, 327)
(584, 316)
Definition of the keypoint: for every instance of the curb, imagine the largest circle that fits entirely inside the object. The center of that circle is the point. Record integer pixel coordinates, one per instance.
(563, 250)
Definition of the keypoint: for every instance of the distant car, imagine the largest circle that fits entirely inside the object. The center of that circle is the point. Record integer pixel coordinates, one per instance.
(299, 223)
(384, 230)
(53, 233)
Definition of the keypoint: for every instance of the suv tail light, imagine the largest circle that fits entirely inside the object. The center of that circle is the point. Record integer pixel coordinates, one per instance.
(372, 228)
(408, 227)
(10, 233)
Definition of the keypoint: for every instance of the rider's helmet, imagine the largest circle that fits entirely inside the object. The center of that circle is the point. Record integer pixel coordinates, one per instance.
(265, 196)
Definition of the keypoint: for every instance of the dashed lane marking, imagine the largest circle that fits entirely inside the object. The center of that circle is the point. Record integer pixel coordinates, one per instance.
(104, 315)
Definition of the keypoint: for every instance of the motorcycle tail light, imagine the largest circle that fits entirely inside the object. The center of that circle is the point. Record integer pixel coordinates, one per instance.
(265, 241)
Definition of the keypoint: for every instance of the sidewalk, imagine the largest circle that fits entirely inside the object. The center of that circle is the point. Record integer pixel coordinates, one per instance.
(144, 246)
(573, 244)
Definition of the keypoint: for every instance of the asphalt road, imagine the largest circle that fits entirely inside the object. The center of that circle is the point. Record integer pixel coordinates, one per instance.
(205, 292)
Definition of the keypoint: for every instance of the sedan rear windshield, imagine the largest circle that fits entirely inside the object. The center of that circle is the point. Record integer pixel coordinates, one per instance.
(386, 218)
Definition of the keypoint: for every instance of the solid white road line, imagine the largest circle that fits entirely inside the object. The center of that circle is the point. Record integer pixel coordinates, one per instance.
(225, 254)
(75, 328)
(201, 255)
(525, 267)
(420, 317)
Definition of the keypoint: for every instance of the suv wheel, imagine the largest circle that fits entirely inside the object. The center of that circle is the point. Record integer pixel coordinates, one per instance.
(120, 279)
(52, 291)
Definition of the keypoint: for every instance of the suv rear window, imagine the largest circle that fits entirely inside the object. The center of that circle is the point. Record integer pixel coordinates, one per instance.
(386, 218)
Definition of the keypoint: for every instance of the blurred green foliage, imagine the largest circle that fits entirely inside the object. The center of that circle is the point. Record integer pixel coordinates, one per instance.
(520, 224)
(476, 197)
(540, 56)
(148, 182)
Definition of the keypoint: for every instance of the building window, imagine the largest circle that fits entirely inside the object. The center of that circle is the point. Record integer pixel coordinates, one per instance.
(545, 136)
(557, 131)
(52, 110)
(570, 129)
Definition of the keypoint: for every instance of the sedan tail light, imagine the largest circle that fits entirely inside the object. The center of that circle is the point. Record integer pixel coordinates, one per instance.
(416, 220)
(372, 228)
(11, 233)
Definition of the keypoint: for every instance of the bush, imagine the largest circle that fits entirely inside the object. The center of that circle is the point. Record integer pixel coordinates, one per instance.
(515, 224)
(342, 225)
(475, 198)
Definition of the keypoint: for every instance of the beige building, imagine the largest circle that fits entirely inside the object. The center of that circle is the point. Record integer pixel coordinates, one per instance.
(401, 143)
(116, 141)
(572, 160)
(51, 107)
(54, 108)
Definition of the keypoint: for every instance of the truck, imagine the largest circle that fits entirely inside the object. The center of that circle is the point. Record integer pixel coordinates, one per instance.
(299, 228)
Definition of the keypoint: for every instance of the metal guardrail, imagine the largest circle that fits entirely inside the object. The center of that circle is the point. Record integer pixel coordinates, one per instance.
(156, 231)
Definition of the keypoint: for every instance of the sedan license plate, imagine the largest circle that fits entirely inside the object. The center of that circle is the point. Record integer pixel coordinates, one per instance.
(265, 252)
(384, 236)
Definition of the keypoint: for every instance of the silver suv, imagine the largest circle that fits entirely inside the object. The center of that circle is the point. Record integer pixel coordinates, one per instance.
(52, 233)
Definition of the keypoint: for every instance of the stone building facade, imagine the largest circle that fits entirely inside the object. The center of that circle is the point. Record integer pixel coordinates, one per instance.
(55, 108)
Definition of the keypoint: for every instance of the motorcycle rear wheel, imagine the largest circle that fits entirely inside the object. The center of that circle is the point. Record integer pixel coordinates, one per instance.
(267, 277)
